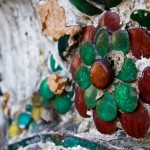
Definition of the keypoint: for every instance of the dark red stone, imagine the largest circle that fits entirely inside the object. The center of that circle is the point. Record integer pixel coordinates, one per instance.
(79, 102)
(111, 21)
(88, 34)
(140, 43)
(76, 62)
(101, 74)
(102, 126)
(144, 85)
(136, 124)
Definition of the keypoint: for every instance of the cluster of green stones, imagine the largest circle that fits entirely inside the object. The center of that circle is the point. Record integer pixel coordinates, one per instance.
(123, 96)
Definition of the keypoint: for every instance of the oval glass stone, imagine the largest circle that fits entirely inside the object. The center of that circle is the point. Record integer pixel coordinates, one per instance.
(82, 77)
(142, 17)
(63, 104)
(101, 74)
(88, 34)
(128, 72)
(111, 21)
(85, 7)
(120, 41)
(103, 126)
(112, 3)
(125, 97)
(23, 120)
(144, 85)
(87, 53)
(75, 63)
(140, 43)
(136, 124)
(101, 42)
(45, 92)
(90, 97)
(106, 107)
(79, 102)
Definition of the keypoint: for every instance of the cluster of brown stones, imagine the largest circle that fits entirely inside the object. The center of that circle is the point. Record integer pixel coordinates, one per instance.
(94, 73)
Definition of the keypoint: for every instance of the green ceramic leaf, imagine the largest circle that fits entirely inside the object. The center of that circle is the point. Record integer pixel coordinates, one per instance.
(112, 3)
(85, 7)
(102, 42)
(128, 72)
(106, 107)
(142, 17)
(53, 65)
(120, 41)
(90, 97)
(62, 45)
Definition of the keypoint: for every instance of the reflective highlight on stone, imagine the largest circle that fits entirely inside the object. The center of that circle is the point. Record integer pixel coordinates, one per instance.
(120, 41)
(79, 102)
(88, 34)
(125, 97)
(101, 42)
(140, 43)
(87, 53)
(82, 77)
(136, 124)
(106, 108)
(101, 74)
(111, 21)
(128, 72)
(90, 96)
(144, 85)
(103, 126)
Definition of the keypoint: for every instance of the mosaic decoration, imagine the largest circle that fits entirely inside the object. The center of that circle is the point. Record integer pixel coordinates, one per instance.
(104, 71)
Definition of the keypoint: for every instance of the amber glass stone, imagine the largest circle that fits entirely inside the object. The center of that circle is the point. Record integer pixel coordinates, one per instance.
(140, 43)
(88, 34)
(76, 62)
(136, 124)
(101, 74)
(79, 102)
(144, 85)
(111, 21)
(103, 126)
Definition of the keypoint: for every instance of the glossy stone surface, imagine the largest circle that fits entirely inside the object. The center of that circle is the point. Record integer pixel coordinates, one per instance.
(45, 92)
(120, 41)
(90, 97)
(112, 3)
(23, 120)
(14, 130)
(79, 102)
(125, 97)
(87, 53)
(63, 103)
(29, 107)
(142, 17)
(33, 127)
(103, 126)
(101, 74)
(111, 21)
(106, 108)
(140, 43)
(101, 42)
(144, 85)
(82, 77)
(88, 34)
(53, 65)
(36, 113)
(85, 7)
(75, 63)
(136, 124)
(128, 72)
